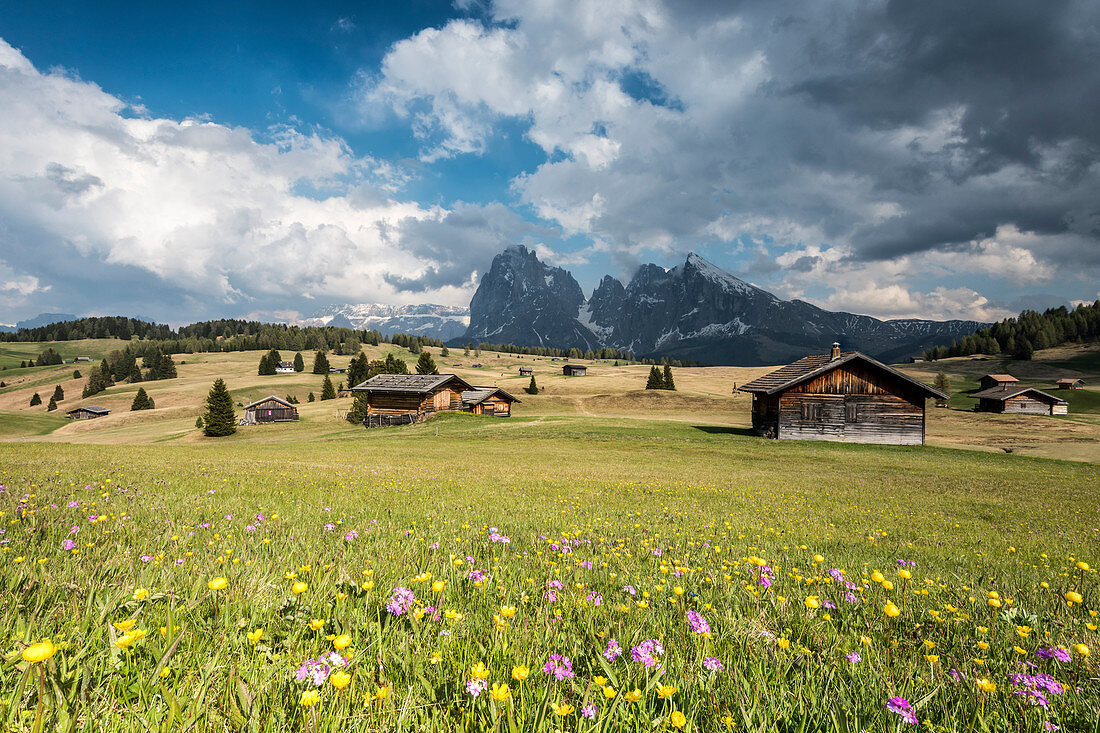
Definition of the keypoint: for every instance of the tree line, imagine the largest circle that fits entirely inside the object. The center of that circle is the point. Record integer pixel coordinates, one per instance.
(1020, 337)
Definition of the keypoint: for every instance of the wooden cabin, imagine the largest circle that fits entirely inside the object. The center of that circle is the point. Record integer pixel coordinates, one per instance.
(1070, 383)
(526, 371)
(284, 367)
(488, 401)
(88, 412)
(269, 409)
(1020, 400)
(847, 397)
(574, 370)
(415, 394)
(989, 381)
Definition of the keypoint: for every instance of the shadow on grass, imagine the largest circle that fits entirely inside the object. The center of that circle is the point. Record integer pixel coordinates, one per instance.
(724, 430)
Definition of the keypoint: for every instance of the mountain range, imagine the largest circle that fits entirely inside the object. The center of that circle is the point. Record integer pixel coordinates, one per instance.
(436, 321)
(694, 311)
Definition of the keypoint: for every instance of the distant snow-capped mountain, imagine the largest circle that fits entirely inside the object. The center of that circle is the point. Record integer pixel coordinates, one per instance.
(434, 321)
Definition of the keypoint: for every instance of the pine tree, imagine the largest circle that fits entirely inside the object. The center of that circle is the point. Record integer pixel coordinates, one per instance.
(52, 406)
(358, 412)
(943, 384)
(2, 385)
(299, 362)
(198, 422)
(414, 347)
(142, 401)
(667, 381)
(268, 362)
(426, 364)
(77, 374)
(320, 363)
(532, 388)
(327, 390)
(105, 373)
(36, 400)
(58, 393)
(444, 352)
(135, 374)
(22, 365)
(466, 350)
(166, 368)
(220, 418)
(655, 381)
(310, 397)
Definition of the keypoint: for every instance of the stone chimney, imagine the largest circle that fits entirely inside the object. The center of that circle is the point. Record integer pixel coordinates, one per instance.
(835, 353)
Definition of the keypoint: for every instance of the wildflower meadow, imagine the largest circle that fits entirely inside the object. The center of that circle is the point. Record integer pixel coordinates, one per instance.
(617, 581)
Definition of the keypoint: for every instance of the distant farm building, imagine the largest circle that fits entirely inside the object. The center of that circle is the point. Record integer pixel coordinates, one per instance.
(87, 413)
(337, 370)
(989, 381)
(526, 371)
(82, 359)
(847, 397)
(269, 409)
(284, 367)
(574, 370)
(1020, 400)
(488, 401)
(1070, 383)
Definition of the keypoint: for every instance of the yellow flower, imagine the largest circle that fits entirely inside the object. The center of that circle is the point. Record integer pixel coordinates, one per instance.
(1018, 650)
(452, 615)
(819, 558)
(254, 636)
(129, 638)
(891, 610)
(887, 585)
(932, 657)
(665, 691)
(368, 585)
(500, 691)
(983, 645)
(1082, 566)
(290, 576)
(904, 574)
(499, 622)
(480, 671)
(507, 611)
(125, 625)
(436, 658)
(418, 613)
(141, 594)
(310, 698)
(930, 644)
(217, 584)
(783, 643)
(634, 695)
(340, 679)
(299, 588)
(1023, 631)
(986, 685)
(317, 624)
(562, 708)
(677, 719)
(813, 602)
(343, 641)
(382, 692)
(609, 692)
(39, 652)
(601, 681)
(165, 673)
(983, 629)
(520, 673)
(877, 577)
(1081, 649)
(438, 586)
(865, 640)
(1074, 597)
(678, 591)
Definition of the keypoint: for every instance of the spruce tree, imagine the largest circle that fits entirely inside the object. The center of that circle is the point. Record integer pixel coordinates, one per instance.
(58, 393)
(166, 368)
(655, 381)
(220, 418)
(198, 422)
(320, 363)
(36, 400)
(135, 374)
(76, 374)
(142, 401)
(532, 388)
(52, 406)
(668, 383)
(310, 397)
(426, 364)
(358, 412)
(445, 352)
(328, 392)
(299, 362)
(264, 367)
(105, 373)
(943, 384)
(2, 385)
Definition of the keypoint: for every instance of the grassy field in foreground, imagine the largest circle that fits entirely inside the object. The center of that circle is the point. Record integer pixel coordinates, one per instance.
(424, 578)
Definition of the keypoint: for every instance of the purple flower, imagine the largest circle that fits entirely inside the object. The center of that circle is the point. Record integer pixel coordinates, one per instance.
(250, 528)
(647, 652)
(657, 551)
(329, 527)
(74, 504)
(613, 650)
(478, 575)
(713, 664)
(698, 624)
(401, 600)
(1053, 653)
(259, 517)
(146, 558)
(68, 544)
(350, 536)
(476, 686)
(594, 598)
(630, 589)
(559, 666)
(903, 709)
(854, 657)
(590, 711)
(312, 670)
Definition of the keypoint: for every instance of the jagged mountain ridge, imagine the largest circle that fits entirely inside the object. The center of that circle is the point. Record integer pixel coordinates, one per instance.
(694, 311)
(435, 321)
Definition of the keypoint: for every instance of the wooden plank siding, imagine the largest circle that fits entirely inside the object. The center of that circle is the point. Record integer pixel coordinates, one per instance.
(394, 403)
(1026, 405)
(493, 406)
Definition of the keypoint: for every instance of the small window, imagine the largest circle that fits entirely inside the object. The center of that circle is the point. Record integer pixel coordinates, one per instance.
(811, 412)
(851, 412)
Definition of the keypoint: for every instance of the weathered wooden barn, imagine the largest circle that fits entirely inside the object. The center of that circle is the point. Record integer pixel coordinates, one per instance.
(1070, 383)
(269, 409)
(574, 370)
(989, 381)
(1020, 400)
(526, 371)
(87, 412)
(401, 394)
(488, 401)
(847, 397)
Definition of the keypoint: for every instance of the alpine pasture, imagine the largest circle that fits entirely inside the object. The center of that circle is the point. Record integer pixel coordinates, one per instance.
(606, 559)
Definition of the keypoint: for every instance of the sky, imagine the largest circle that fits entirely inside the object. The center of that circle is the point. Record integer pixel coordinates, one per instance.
(266, 159)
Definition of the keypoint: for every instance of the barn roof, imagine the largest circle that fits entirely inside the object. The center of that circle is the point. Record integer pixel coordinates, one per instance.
(477, 395)
(1069, 380)
(90, 408)
(1001, 377)
(809, 367)
(269, 399)
(418, 383)
(1000, 394)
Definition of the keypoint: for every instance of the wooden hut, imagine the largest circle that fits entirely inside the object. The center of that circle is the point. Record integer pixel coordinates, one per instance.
(412, 394)
(989, 381)
(526, 371)
(574, 370)
(1070, 383)
(1020, 400)
(270, 409)
(488, 401)
(87, 412)
(847, 397)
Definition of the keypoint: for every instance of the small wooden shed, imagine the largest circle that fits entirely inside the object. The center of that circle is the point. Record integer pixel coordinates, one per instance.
(989, 381)
(488, 401)
(1020, 400)
(1070, 383)
(87, 412)
(847, 397)
(418, 394)
(526, 371)
(270, 409)
(574, 370)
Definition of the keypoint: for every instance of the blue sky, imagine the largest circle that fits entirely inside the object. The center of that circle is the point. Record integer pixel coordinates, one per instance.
(267, 159)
